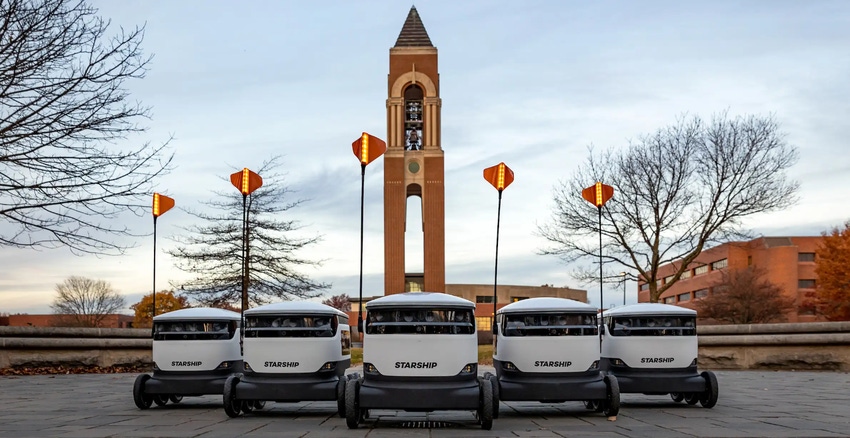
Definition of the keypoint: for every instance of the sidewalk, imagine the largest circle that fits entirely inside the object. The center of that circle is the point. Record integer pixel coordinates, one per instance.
(768, 404)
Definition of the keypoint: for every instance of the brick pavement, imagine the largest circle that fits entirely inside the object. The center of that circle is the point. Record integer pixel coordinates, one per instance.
(752, 403)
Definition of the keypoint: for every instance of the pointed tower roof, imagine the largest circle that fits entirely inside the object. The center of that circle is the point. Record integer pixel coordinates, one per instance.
(413, 33)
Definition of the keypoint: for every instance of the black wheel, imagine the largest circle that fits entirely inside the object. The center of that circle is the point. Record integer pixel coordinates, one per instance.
(692, 398)
(485, 404)
(611, 405)
(160, 399)
(142, 400)
(677, 396)
(709, 397)
(352, 404)
(232, 405)
(496, 395)
(247, 406)
(175, 398)
(259, 404)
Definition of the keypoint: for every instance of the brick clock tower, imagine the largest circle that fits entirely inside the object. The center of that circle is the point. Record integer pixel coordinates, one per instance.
(413, 164)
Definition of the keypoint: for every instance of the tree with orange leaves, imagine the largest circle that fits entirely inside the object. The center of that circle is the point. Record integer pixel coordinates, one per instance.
(832, 258)
(166, 301)
(745, 296)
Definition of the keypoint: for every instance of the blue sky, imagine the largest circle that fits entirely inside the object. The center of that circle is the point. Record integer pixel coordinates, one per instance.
(530, 83)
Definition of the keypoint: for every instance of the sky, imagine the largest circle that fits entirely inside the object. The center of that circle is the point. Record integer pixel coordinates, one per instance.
(530, 83)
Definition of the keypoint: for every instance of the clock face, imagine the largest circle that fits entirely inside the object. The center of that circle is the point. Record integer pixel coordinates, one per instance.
(413, 167)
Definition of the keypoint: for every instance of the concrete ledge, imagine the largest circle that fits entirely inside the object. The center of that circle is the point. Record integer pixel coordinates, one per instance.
(51, 343)
(747, 329)
(73, 332)
(778, 339)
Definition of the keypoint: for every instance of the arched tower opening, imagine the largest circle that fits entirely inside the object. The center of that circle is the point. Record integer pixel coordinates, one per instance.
(413, 166)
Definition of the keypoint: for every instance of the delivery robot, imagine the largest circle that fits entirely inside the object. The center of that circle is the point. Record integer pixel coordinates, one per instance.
(293, 351)
(420, 354)
(195, 350)
(652, 349)
(547, 350)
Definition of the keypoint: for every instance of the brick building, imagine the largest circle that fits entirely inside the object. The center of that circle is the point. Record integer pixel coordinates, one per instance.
(788, 262)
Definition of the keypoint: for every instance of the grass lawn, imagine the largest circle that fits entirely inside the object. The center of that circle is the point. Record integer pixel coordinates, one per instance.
(485, 355)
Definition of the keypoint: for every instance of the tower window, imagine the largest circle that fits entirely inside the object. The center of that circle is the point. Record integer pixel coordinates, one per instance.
(413, 118)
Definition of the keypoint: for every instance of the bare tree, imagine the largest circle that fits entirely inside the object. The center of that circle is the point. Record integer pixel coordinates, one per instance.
(83, 302)
(745, 297)
(213, 251)
(340, 302)
(63, 107)
(678, 191)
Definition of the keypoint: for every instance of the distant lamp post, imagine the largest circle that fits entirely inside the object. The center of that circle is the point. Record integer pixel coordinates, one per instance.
(598, 194)
(366, 148)
(499, 176)
(246, 182)
(161, 204)
(624, 287)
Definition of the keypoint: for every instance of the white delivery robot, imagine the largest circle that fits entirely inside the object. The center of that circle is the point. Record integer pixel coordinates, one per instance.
(420, 354)
(652, 349)
(195, 350)
(547, 350)
(293, 351)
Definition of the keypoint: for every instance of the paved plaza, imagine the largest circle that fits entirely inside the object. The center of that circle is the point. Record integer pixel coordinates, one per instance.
(752, 403)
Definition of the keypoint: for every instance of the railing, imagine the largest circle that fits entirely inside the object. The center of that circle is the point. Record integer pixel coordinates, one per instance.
(802, 346)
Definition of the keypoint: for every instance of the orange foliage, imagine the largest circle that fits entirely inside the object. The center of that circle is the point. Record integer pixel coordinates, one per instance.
(832, 293)
(166, 301)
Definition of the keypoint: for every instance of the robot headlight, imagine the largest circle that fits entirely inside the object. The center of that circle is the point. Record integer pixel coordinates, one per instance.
(470, 368)
(371, 369)
(328, 366)
(594, 366)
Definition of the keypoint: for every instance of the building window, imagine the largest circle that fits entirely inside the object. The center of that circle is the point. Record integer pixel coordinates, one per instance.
(702, 293)
(749, 260)
(668, 279)
(806, 257)
(483, 323)
(670, 300)
(644, 286)
(515, 299)
(720, 264)
(484, 298)
(806, 284)
(659, 282)
(701, 270)
(685, 297)
(685, 274)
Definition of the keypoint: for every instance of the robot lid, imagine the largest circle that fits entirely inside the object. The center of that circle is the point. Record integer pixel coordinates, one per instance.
(650, 309)
(198, 313)
(420, 299)
(296, 307)
(548, 304)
